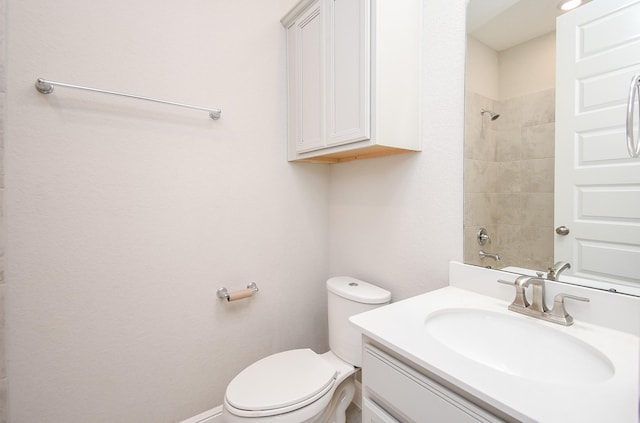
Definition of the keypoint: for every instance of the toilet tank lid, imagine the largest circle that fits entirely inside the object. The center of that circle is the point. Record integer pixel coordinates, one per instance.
(356, 290)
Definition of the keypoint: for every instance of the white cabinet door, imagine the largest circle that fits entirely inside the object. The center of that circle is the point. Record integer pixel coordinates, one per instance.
(597, 183)
(348, 105)
(306, 82)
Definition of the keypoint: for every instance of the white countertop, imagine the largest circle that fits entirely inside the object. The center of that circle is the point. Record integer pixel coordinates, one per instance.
(400, 327)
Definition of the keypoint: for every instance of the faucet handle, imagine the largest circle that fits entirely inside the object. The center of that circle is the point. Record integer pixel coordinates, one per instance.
(560, 298)
(559, 313)
(520, 301)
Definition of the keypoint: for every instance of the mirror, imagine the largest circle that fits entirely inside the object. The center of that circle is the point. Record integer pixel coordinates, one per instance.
(510, 135)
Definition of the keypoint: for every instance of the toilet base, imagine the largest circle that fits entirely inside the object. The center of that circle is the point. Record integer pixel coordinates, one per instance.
(336, 412)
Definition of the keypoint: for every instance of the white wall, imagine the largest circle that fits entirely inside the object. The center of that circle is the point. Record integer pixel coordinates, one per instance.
(520, 70)
(124, 217)
(3, 87)
(482, 76)
(528, 68)
(397, 221)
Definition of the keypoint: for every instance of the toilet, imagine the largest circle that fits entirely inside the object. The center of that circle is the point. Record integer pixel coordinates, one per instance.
(299, 386)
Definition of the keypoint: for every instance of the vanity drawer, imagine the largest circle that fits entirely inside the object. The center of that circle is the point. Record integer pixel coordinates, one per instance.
(408, 395)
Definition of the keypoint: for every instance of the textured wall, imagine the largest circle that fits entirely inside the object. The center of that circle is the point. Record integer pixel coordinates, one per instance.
(397, 221)
(3, 86)
(124, 217)
(3, 77)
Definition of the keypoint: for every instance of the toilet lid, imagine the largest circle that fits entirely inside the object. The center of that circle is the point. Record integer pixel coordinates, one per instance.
(281, 380)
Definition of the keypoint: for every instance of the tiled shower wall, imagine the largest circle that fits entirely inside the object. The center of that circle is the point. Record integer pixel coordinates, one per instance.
(509, 171)
(3, 85)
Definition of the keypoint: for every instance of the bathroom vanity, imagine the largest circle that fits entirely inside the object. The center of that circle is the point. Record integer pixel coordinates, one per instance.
(458, 355)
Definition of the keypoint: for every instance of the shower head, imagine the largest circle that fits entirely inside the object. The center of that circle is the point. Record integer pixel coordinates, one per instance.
(493, 115)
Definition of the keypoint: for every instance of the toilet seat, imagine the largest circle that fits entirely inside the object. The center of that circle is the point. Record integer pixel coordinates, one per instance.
(280, 383)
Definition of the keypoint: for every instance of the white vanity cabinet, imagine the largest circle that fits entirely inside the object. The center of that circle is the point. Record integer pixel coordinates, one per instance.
(353, 69)
(395, 392)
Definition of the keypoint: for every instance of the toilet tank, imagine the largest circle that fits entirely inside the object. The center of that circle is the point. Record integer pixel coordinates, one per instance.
(348, 296)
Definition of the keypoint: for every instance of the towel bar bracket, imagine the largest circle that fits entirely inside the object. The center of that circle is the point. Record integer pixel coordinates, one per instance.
(43, 86)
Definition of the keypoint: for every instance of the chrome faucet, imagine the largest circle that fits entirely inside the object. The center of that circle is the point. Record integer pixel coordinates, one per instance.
(482, 255)
(538, 308)
(537, 301)
(556, 269)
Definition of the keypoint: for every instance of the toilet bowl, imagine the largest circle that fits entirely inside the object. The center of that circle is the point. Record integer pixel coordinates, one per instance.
(299, 386)
(294, 386)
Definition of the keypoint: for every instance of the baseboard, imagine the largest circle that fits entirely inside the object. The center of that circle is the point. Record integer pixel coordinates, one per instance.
(210, 416)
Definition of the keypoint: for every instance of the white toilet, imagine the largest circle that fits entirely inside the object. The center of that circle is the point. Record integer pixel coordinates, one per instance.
(300, 386)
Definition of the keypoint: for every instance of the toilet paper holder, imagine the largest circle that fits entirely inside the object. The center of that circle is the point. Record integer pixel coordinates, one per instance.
(223, 293)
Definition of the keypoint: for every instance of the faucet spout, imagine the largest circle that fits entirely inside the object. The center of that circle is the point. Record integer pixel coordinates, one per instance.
(483, 254)
(537, 301)
(556, 269)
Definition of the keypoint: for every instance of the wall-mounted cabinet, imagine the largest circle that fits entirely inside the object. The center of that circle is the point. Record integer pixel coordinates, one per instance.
(353, 70)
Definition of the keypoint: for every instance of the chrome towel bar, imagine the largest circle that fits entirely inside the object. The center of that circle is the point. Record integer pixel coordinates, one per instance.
(45, 86)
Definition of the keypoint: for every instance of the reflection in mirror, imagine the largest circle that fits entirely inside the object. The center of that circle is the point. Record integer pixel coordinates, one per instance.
(509, 134)
(509, 154)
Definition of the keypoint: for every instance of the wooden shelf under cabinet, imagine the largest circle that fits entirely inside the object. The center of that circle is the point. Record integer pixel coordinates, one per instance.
(357, 154)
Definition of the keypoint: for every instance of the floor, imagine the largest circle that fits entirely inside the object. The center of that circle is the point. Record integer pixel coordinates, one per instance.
(354, 414)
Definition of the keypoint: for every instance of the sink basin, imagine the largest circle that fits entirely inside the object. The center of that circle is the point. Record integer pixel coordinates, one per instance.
(519, 346)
